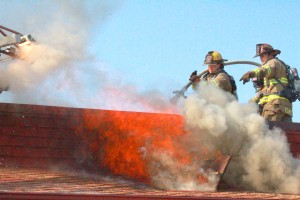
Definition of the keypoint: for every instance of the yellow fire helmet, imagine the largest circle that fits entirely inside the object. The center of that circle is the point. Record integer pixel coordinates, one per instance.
(213, 57)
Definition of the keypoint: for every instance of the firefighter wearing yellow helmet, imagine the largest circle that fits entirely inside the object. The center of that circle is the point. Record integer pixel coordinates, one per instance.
(216, 73)
(271, 79)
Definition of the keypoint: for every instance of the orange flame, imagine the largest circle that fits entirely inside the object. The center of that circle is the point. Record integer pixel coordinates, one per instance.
(123, 141)
(123, 138)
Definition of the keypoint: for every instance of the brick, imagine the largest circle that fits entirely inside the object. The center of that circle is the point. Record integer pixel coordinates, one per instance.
(28, 162)
(293, 138)
(295, 147)
(37, 141)
(36, 152)
(7, 120)
(37, 131)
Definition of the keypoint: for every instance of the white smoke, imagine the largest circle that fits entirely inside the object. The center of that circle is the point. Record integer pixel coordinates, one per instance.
(61, 46)
(216, 122)
(168, 173)
(261, 157)
(60, 68)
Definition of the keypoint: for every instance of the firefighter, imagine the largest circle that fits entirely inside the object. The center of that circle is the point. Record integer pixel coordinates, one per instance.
(271, 79)
(216, 73)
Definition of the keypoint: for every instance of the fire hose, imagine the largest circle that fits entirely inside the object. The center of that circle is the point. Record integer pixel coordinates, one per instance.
(180, 93)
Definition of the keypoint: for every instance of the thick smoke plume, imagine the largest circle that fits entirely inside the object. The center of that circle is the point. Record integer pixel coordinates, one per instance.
(261, 157)
(60, 68)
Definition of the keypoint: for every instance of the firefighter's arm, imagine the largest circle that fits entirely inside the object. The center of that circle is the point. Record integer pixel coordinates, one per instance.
(267, 70)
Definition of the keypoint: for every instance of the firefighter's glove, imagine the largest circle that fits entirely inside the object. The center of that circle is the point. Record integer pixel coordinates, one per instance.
(246, 77)
(194, 78)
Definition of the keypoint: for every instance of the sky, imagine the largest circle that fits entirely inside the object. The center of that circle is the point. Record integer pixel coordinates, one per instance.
(131, 55)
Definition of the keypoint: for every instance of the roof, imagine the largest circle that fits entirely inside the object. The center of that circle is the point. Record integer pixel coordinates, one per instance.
(60, 153)
(22, 183)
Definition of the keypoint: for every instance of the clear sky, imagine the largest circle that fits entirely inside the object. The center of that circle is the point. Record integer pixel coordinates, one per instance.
(155, 45)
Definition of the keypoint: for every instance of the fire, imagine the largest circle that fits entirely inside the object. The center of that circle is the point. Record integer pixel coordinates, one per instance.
(124, 139)
(130, 143)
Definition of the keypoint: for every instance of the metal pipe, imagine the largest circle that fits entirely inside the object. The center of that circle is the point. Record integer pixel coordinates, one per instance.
(3, 33)
(10, 30)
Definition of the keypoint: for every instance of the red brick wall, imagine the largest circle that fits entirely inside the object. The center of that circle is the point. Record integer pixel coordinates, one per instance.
(36, 136)
(47, 136)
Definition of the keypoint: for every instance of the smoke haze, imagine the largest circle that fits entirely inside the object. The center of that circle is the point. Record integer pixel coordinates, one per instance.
(60, 69)
(261, 157)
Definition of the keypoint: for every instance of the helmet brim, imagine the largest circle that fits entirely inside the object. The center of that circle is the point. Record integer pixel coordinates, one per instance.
(274, 52)
(215, 62)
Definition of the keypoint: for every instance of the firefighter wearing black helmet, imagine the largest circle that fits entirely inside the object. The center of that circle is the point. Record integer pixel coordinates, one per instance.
(273, 78)
(216, 73)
